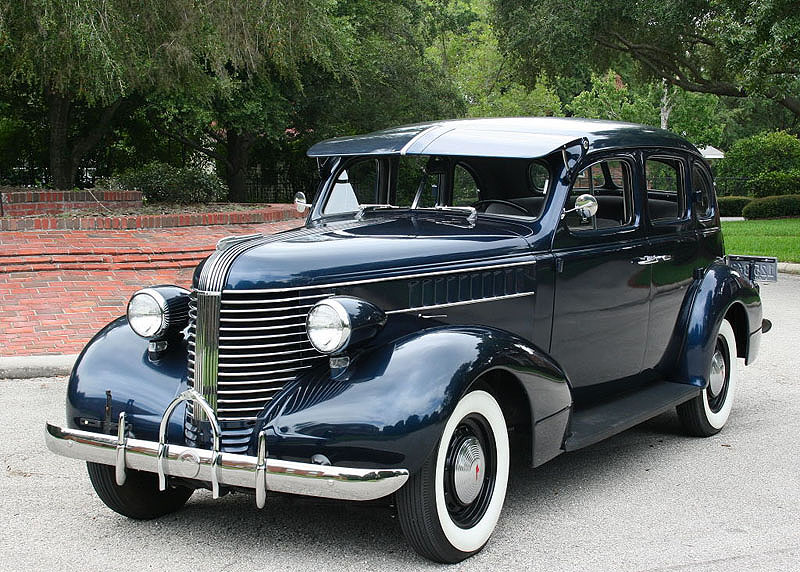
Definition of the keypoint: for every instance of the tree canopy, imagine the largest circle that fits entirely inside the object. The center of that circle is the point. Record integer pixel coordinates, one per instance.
(732, 48)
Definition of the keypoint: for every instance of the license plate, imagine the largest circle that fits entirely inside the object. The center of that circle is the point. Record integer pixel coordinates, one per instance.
(756, 268)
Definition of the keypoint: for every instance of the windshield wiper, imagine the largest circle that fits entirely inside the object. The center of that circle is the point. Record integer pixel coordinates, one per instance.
(469, 212)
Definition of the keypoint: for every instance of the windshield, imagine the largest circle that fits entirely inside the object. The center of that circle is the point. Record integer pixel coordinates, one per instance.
(515, 187)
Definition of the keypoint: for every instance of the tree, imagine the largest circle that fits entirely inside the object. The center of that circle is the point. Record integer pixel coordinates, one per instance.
(729, 48)
(84, 59)
(696, 116)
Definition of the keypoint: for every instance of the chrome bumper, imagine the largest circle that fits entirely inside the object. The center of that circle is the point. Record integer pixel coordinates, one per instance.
(218, 468)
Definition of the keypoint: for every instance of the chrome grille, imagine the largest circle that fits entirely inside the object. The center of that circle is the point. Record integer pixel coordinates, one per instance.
(262, 346)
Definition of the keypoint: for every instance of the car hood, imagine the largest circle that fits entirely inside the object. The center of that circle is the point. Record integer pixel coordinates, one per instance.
(374, 247)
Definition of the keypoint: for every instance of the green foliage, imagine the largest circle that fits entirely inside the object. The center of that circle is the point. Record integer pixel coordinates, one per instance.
(611, 98)
(773, 183)
(160, 182)
(724, 47)
(732, 206)
(773, 207)
(779, 238)
(469, 55)
(763, 153)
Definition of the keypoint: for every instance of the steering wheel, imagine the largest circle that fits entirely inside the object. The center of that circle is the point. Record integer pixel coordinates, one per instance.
(485, 203)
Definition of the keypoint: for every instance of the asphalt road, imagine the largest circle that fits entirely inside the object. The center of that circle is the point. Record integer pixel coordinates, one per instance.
(648, 499)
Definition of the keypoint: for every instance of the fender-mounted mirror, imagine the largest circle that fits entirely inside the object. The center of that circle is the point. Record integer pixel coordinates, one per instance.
(300, 202)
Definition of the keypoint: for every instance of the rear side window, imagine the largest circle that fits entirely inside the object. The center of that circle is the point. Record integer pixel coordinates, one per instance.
(666, 197)
(703, 192)
(610, 182)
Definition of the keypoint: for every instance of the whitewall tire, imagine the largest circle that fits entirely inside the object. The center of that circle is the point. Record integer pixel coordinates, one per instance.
(706, 414)
(449, 509)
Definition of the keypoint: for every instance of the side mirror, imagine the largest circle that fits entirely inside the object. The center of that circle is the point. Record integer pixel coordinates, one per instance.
(300, 202)
(585, 206)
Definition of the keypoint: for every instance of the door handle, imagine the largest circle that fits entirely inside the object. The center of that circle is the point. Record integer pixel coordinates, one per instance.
(651, 259)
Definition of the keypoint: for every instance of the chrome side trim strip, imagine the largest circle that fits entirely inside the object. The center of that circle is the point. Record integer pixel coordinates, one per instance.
(464, 303)
(387, 278)
(232, 469)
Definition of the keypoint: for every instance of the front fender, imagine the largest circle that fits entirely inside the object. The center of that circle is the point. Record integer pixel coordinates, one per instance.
(116, 360)
(722, 291)
(390, 408)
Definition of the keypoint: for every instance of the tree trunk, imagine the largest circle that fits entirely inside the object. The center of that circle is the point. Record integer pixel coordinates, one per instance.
(238, 146)
(667, 104)
(62, 174)
(67, 153)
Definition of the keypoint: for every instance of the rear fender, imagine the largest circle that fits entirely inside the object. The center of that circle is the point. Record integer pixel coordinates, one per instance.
(390, 407)
(721, 292)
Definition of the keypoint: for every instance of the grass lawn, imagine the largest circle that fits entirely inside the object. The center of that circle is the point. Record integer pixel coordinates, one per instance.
(778, 237)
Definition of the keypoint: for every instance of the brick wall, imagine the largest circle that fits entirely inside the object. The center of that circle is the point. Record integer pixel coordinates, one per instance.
(36, 202)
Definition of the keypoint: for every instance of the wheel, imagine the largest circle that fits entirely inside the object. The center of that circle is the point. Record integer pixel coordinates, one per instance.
(483, 206)
(707, 413)
(449, 508)
(139, 497)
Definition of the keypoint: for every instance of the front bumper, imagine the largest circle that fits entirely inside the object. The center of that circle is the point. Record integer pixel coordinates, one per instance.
(218, 468)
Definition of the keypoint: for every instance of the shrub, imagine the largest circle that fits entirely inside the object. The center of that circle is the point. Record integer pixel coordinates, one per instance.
(773, 207)
(160, 182)
(732, 206)
(775, 183)
(763, 153)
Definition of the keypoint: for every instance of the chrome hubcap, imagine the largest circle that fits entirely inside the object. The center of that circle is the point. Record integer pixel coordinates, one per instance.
(468, 470)
(718, 373)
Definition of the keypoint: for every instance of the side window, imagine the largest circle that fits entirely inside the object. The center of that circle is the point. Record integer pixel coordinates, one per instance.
(703, 192)
(465, 189)
(666, 197)
(610, 182)
(356, 185)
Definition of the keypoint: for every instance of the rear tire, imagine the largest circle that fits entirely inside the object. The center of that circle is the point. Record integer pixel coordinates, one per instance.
(706, 414)
(139, 497)
(449, 509)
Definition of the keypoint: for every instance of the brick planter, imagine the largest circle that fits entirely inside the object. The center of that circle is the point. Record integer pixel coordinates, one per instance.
(35, 202)
(272, 213)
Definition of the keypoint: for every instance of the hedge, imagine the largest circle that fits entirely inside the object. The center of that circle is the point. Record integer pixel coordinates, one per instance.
(776, 183)
(160, 182)
(732, 206)
(773, 207)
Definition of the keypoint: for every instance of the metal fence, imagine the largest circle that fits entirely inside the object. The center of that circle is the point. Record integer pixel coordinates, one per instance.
(279, 181)
(733, 186)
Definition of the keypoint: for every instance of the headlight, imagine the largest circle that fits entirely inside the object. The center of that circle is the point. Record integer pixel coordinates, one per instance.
(339, 322)
(328, 326)
(155, 312)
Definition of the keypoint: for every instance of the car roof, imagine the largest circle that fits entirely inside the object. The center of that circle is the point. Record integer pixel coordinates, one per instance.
(516, 137)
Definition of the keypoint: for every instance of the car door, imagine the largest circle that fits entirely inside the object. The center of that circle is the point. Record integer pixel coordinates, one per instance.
(673, 251)
(602, 286)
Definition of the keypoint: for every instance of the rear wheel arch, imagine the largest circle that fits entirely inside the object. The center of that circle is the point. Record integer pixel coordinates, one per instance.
(737, 316)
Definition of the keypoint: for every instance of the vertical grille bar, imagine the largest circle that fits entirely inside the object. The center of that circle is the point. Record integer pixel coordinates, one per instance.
(207, 350)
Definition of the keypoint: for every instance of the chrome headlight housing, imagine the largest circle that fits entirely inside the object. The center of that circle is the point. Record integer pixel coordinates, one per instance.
(156, 312)
(338, 322)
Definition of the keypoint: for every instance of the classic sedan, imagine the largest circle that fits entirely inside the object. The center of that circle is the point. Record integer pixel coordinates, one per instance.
(455, 284)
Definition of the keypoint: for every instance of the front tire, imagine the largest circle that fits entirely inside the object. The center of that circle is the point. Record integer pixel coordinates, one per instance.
(139, 497)
(706, 414)
(449, 509)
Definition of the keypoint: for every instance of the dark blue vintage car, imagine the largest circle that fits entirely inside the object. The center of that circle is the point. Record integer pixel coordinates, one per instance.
(456, 284)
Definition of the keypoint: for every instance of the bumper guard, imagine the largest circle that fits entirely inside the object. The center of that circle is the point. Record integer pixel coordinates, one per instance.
(218, 468)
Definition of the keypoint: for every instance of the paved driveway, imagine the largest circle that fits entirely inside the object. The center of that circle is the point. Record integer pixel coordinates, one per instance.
(648, 499)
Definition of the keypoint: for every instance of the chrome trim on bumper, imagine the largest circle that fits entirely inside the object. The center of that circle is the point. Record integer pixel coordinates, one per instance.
(221, 469)
(234, 470)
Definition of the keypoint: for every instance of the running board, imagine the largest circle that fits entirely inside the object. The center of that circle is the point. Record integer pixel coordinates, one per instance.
(588, 426)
